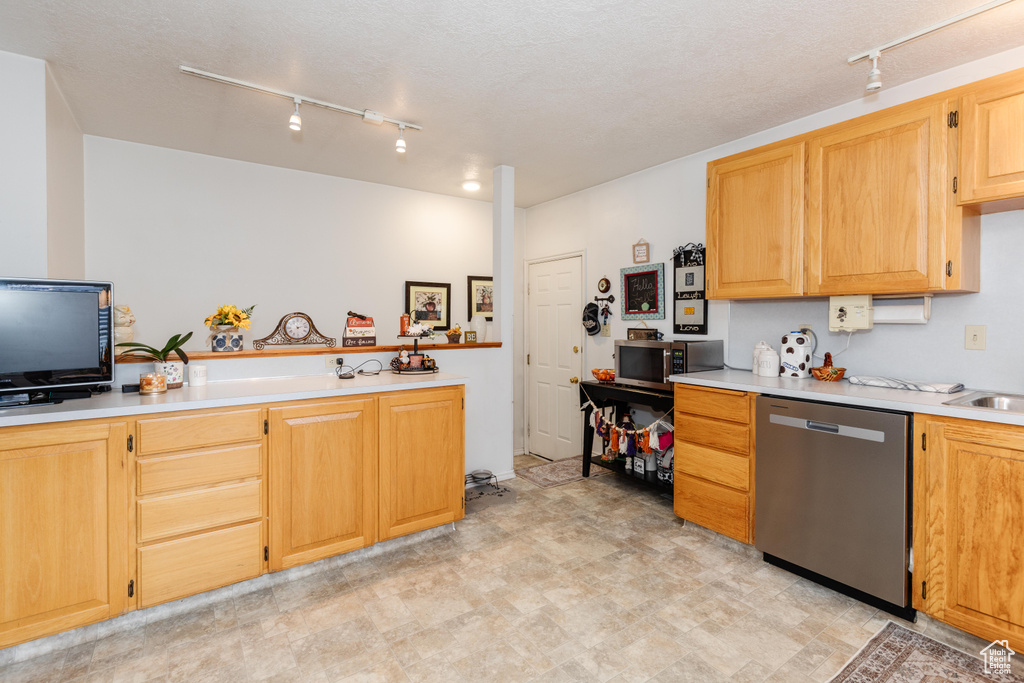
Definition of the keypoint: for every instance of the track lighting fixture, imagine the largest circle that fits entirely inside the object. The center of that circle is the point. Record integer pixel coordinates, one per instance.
(295, 122)
(874, 76)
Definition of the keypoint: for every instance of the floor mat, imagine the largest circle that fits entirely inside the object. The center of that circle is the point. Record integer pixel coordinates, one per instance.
(898, 655)
(559, 472)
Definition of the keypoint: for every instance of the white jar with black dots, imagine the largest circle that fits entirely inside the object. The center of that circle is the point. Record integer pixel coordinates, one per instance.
(795, 355)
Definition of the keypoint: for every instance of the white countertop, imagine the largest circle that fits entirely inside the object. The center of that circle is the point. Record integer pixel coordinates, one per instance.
(846, 393)
(221, 394)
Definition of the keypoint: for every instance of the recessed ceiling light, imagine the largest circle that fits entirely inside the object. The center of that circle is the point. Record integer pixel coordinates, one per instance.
(471, 186)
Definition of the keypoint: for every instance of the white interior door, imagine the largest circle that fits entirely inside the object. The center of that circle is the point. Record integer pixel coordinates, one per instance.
(555, 310)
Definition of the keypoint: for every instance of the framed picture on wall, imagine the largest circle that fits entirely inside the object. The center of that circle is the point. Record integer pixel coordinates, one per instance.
(690, 300)
(429, 303)
(643, 292)
(480, 295)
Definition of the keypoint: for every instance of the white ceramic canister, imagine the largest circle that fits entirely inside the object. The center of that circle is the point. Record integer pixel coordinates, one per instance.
(795, 354)
(758, 348)
(768, 363)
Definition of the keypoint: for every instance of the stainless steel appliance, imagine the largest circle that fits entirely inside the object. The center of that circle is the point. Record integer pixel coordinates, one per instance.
(833, 497)
(648, 364)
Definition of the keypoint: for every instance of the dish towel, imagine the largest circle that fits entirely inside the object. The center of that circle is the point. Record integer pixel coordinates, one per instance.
(905, 384)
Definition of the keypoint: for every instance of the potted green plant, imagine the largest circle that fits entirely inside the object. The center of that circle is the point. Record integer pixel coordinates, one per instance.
(174, 369)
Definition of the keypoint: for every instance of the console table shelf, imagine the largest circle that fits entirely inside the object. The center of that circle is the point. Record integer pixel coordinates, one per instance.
(619, 397)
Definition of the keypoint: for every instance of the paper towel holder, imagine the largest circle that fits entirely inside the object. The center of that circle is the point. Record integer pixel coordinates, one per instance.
(903, 313)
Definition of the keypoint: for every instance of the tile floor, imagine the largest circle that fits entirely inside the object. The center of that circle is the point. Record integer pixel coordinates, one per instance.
(593, 581)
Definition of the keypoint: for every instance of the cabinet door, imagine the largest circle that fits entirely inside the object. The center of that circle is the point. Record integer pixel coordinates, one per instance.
(63, 525)
(422, 470)
(991, 122)
(755, 231)
(974, 570)
(876, 215)
(322, 480)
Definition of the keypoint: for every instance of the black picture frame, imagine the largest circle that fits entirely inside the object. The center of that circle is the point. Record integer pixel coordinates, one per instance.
(689, 297)
(473, 284)
(440, 318)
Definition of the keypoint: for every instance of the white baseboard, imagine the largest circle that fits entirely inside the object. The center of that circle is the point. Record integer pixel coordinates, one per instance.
(519, 451)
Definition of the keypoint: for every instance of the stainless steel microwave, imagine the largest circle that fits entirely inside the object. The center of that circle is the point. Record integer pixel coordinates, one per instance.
(649, 363)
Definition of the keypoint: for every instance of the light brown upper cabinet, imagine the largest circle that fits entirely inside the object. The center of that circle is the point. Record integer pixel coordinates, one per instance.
(877, 213)
(991, 122)
(63, 528)
(323, 480)
(755, 224)
(422, 471)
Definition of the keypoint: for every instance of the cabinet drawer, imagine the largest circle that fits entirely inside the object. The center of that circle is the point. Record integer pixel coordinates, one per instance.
(197, 469)
(172, 570)
(196, 510)
(184, 432)
(717, 466)
(717, 403)
(713, 506)
(725, 436)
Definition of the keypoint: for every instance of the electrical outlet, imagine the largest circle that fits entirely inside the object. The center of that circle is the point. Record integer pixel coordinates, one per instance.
(803, 326)
(974, 337)
(330, 363)
(606, 330)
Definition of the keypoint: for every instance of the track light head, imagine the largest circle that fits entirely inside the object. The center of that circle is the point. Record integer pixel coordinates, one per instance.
(400, 142)
(874, 76)
(295, 122)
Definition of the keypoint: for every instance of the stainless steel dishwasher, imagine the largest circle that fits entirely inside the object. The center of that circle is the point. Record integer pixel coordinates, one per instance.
(833, 497)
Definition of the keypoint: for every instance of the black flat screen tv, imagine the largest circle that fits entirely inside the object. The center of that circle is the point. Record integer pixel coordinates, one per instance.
(55, 334)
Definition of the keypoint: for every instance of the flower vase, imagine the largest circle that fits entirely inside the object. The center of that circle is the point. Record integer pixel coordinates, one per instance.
(174, 370)
(226, 338)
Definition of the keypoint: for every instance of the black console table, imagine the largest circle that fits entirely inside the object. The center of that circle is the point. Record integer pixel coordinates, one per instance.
(618, 396)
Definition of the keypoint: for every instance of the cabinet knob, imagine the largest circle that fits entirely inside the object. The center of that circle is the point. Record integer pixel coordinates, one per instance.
(574, 380)
(575, 349)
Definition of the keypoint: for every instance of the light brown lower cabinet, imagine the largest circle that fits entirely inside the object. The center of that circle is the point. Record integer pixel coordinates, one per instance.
(63, 527)
(323, 480)
(98, 518)
(714, 459)
(422, 475)
(968, 526)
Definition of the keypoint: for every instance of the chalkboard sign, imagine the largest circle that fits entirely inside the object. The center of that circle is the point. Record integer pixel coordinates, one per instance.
(643, 292)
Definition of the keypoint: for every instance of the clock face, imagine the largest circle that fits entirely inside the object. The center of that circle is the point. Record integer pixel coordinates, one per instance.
(297, 327)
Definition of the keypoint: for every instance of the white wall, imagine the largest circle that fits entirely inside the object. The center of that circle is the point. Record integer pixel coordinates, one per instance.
(65, 188)
(23, 170)
(181, 233)
(666, 205)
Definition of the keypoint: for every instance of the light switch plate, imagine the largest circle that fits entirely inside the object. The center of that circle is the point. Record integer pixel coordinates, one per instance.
(974, 337)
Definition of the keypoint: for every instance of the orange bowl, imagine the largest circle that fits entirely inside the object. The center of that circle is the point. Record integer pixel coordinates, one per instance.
(606, 375)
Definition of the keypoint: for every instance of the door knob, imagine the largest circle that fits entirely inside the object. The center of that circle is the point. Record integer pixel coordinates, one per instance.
(574, 380)
(575, 349)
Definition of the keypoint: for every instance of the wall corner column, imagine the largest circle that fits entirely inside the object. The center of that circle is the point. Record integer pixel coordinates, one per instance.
(504, 298)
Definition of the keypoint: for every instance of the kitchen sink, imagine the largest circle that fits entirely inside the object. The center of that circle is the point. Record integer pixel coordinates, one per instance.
(1011, 403)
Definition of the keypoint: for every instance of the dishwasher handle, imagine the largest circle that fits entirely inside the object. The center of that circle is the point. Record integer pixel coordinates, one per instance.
(828, 427)
(822, 426)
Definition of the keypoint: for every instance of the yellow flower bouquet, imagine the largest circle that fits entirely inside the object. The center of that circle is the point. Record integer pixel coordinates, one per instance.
(231, 316)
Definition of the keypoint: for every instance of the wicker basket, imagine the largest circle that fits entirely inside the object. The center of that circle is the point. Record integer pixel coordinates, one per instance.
(454, 337)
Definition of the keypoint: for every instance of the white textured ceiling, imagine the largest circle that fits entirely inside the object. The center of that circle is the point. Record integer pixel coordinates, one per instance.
(570, 92)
